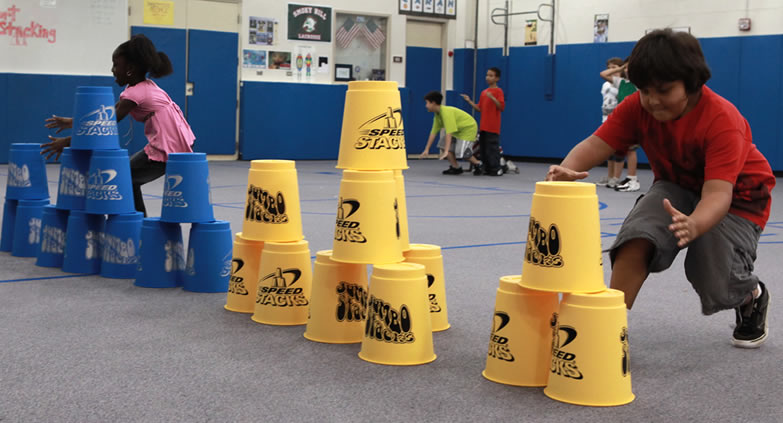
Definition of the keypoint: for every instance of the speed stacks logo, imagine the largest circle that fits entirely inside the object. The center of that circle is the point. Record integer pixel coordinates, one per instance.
(383, 131)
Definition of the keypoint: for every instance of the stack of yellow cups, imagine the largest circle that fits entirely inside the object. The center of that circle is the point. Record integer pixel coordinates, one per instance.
(371, 227)
(271, 275)
(588, 363)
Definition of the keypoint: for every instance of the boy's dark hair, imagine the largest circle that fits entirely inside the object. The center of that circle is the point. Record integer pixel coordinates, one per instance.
(614, 61)
(140, 52)
(434, 97)
(496, 71)
(664, 55)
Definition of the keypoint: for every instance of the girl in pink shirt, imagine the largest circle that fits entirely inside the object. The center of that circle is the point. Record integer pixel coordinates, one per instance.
(165, 127)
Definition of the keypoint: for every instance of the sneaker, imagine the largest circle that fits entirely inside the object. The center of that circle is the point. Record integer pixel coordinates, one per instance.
(497, 172)
(603, 181)
(453, 171)
(631, 185)
(612, 182)
(751, 330)
(477, 169)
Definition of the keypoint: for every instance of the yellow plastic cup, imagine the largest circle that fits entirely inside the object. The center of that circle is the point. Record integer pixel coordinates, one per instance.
(244, 275)
(272, 209)
(590, 353)
(430, 257)
(521, 340)
(398, 330)
(402, 210)
(338, 304)
(373, 137)
(563, 248)
(367, 229)
(284, 282)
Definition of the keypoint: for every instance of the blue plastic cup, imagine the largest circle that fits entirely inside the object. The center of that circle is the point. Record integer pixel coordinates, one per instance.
(72, 189)
(26, 173)
(82, 242)
(161, 254)
(27, 228)
(119, 245)
(208, 268)
(53, 228)
(9, 219)
(109, 186)
(186, 196)
(94, 120)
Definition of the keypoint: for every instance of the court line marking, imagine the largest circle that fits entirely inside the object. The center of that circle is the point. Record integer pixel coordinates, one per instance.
(47, 277)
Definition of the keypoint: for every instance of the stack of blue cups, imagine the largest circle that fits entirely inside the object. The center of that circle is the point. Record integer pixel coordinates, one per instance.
(186, 199)
(27, 192)
(95, 181)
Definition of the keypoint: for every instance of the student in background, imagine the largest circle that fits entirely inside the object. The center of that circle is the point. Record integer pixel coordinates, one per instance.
(491, 104)
(460, 129)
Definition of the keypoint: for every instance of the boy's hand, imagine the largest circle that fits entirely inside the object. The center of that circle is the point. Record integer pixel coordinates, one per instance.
(683, 227)
(465, 96)
(55, 147)
(560, 173)
(59, 122)
(443, 155)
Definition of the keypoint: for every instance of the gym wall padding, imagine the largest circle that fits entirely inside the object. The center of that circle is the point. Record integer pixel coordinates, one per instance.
(281, 120)
(745, 70)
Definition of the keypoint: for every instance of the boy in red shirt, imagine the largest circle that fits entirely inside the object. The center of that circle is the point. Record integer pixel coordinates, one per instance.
(491, 103)
(712, 189)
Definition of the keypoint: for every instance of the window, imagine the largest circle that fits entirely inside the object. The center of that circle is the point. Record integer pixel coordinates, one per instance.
(360, 41)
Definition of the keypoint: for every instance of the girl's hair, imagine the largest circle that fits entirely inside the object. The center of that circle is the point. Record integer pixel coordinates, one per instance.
(140, 51)
(664, 55)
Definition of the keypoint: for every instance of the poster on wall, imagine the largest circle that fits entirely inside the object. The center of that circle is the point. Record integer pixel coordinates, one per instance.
(158, 12)
(303, 61)
(444, 9)
(323, 64)
(309, 23)
(601, 28)
(279, 60)
(531, 32)
(254, 59)
(262, 31)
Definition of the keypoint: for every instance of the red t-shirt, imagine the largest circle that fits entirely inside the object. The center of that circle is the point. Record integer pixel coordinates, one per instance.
(490, 113)
(712, 141)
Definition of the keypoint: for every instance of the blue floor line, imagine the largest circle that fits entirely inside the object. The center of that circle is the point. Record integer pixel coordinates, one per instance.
(47, 277)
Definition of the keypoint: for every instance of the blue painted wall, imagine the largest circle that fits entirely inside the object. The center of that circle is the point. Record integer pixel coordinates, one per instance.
(302, 121)
(745, 70)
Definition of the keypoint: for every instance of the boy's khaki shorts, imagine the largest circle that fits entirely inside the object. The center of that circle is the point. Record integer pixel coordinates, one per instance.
(462, 149)
(718, 264)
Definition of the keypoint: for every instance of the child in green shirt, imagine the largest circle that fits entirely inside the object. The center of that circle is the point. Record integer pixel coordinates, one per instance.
(461, 130)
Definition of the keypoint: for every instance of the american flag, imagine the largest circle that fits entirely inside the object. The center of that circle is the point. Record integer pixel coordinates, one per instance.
(373, 34)
(347, 33)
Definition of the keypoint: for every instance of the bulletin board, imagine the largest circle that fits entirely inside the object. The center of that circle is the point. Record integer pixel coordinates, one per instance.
(70, 37)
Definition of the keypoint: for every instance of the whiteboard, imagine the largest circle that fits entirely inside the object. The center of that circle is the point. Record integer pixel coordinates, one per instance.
(71, 37)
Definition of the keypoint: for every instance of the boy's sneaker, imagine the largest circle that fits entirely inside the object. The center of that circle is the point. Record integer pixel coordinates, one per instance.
(603, 181)
(631, 185)
(751, 330)
(478, 169)
(453, 171)
(496, 172)
(613, 182)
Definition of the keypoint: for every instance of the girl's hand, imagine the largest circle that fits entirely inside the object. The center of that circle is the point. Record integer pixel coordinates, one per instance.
(560, 173)
(59, 122)
(683, 227)
(55, 147)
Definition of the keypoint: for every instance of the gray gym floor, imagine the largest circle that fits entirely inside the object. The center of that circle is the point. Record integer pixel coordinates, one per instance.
(90, 349)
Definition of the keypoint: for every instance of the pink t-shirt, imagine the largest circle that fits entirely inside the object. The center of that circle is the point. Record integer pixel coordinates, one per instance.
(166, 129)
